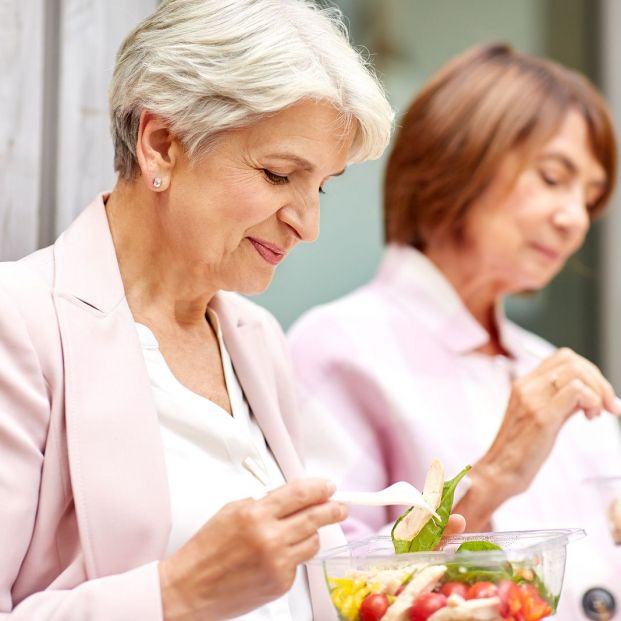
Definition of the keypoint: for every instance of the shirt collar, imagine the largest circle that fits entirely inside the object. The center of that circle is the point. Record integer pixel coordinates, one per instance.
(422, 290)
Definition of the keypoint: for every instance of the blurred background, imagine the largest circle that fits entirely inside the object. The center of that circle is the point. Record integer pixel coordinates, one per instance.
(56, 154)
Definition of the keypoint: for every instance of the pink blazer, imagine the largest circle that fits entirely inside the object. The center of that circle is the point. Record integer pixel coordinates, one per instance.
(84, 506)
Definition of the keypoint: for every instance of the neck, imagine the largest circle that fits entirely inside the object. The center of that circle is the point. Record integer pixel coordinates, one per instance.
(479, 293)
(158, 285)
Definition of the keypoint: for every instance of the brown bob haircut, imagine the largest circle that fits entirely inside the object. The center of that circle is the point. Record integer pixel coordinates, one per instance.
(478, 107)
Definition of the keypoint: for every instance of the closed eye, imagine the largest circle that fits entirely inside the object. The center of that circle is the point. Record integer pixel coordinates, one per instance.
(274, 178)
(549, 179)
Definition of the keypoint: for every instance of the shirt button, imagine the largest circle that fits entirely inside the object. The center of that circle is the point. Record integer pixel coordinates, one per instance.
(599, 604)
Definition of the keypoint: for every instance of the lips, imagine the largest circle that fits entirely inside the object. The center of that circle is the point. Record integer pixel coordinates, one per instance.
(547, 251)
(270, 252)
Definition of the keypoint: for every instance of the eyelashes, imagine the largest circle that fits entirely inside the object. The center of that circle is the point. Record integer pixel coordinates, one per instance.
(281, 179)
(274, 178)
(549, 179)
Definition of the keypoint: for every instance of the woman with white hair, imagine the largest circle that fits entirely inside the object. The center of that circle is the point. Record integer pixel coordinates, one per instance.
(147, 420)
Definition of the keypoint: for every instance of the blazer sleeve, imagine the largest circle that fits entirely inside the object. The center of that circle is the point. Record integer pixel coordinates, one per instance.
(24, 419)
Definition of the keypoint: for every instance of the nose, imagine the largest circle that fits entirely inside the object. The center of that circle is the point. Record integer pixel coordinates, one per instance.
(302, 215)
(573, 215)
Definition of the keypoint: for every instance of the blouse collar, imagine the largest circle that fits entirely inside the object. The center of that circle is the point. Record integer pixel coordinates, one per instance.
(421, 289)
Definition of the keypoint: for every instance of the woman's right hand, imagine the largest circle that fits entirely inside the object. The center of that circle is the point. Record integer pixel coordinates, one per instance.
(247, 554)
(539, 404)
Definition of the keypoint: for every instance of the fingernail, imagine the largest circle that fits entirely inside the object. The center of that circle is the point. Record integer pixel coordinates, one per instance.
(617, 406)
(331, 487)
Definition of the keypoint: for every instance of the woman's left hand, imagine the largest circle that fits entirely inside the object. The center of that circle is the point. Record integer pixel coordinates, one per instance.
(540, 403)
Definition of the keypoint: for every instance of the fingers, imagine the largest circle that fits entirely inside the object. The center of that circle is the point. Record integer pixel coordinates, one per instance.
(305, 523)
(456, 524)
(297, 495)
(306, 549)
(564, 366)
(576, 395)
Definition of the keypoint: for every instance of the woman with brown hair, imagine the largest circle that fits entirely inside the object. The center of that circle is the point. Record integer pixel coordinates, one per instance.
(501, 163)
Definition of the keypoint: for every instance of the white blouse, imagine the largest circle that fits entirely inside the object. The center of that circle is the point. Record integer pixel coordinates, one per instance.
(213, 458)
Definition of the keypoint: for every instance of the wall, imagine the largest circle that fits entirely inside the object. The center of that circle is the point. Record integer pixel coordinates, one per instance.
(610, 250)
(55, 152)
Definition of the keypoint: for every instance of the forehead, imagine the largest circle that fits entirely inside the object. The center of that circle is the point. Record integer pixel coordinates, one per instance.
(315, 131)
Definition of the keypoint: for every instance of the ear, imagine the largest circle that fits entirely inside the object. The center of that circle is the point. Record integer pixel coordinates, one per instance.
(156, 151)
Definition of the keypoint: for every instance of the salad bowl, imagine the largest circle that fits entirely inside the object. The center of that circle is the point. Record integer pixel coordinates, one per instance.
(510, 576)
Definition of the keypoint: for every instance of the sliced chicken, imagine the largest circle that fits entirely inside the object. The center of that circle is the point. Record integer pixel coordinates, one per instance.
(614, 514)
(417, 517)
(422, 582)
(485, 609)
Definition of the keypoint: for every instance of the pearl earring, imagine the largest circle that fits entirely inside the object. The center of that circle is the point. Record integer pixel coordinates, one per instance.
(157, 183)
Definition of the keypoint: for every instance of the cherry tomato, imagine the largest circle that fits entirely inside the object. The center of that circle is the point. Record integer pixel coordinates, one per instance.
(510, 599)
(480, 590)
(534, 607)
(454, 588)
(373, 607)
(425, 605)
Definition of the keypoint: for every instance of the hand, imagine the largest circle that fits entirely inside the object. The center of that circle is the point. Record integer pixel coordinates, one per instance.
(247, 554)
(540, 403)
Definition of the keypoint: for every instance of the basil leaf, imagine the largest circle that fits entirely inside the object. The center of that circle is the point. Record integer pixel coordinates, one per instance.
(431, 533)
(477, 546)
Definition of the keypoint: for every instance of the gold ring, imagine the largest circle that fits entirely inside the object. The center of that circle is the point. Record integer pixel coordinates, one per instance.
(554, 381)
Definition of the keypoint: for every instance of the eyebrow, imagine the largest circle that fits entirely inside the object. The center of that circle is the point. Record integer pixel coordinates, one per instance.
(571, 166)
(300, 161)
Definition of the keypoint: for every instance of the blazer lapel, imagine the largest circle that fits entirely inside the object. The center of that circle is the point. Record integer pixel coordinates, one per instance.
(115, 455)
(245, 341)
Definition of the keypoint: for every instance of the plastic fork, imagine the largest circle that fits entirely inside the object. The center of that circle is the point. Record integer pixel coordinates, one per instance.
(400, 493)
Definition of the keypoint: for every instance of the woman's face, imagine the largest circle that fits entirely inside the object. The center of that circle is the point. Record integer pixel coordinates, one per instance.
(522, 234)
(233, 216)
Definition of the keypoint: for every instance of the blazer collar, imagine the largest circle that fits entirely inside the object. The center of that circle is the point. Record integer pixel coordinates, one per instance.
(90, 271)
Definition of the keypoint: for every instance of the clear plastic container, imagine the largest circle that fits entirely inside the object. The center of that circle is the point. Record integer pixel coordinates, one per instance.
(531, 565)
(608, 490)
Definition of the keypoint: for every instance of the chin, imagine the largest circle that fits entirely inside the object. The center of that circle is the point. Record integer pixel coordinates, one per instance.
(534, 283)
(256, 287)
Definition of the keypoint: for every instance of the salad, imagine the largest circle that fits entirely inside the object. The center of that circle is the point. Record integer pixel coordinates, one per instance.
(480, 586)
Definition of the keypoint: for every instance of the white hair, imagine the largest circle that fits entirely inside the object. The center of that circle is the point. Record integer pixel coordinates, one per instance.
(207, 66)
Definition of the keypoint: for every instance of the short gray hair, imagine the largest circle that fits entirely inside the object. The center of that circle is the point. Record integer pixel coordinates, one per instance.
(207, 66)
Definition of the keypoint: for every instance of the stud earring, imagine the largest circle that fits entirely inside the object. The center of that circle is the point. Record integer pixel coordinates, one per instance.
(157, 183)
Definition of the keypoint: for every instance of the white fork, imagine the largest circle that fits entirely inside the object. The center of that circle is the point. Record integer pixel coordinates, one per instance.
(400, 493)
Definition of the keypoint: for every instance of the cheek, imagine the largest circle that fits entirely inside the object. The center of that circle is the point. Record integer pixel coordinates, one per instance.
(249, 205)
(495, 234)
